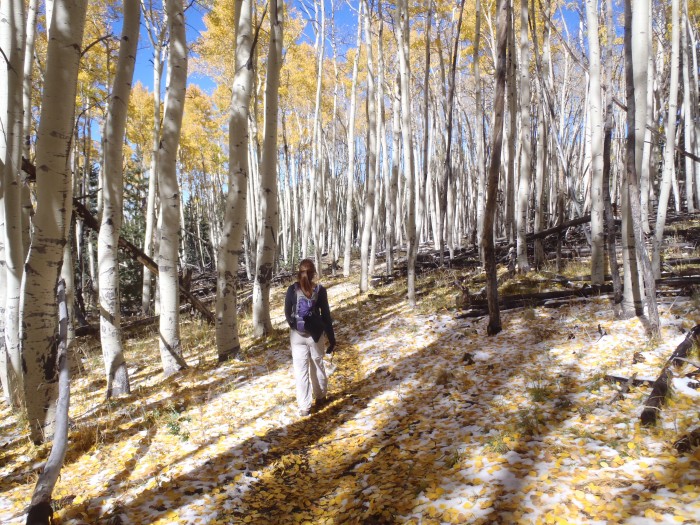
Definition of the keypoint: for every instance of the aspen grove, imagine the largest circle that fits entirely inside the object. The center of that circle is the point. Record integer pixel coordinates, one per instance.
(165, 162)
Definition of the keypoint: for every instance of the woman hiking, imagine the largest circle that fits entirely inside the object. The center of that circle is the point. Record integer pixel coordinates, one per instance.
(309, 318)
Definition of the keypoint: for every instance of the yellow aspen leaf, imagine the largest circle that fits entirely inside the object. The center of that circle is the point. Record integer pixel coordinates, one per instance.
(604, 464)
(678, 518)
(467, 505)
(631, 445)
(486, 504)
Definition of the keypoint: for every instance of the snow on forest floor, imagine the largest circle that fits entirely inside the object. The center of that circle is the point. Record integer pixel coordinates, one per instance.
(414, 434)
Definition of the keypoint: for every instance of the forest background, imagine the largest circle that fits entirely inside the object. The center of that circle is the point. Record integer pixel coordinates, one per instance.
(341, 132)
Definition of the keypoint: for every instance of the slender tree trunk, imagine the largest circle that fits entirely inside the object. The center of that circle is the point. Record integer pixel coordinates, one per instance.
(40, 511)
(688, 125)
(157, 34)
(169, 227)
(607, 163)
(402, 37)
(227, 341)
(525, 141)
(392, 224)
(503, 14)
(480, 138)
(446, 179)
(371, 157)
(12, 27)
(262, 324)
(347, 253)
(113, 201)
(53, 197)
(595, 110)
(669, 146)
(635, 60)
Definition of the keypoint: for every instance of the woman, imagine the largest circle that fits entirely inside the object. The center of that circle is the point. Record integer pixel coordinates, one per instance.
(309, 317)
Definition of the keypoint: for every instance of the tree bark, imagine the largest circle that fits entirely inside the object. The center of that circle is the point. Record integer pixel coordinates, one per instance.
(595, 110)
(12, 27)
(525, 141)
(40, 511)
(402, 37)
(267, 237)
(227, 341)
(494, 325)
(53, 197)
(113, 201)
(371, 157)
(169, 224)
(635, 59)
(347, 253)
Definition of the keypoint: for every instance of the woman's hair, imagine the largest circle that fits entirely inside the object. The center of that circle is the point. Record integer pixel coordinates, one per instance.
(305, 276)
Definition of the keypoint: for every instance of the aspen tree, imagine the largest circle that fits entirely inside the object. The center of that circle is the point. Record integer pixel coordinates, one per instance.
(525, 141)
(227, 341)
(113, 202)
(447, 169)
(169, 223)
(267, 237)
(688, 116)
(157, 32)
(480, 146)
(402, 40)
(595, 111)
(371, 157)
(503, 14)
(12, 27)
(347, 252)
(669, 146)
(53, 197)
(636, 25)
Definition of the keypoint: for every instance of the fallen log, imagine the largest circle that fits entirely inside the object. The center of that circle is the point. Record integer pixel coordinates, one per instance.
(636, 381)
(688, 442)
(133, 251)
(557, 229)
(657, 397)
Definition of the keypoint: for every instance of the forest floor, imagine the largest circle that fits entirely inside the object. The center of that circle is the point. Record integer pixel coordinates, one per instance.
(523, 430)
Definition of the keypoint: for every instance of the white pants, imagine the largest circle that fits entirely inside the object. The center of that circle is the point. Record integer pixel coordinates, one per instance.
(309, 372)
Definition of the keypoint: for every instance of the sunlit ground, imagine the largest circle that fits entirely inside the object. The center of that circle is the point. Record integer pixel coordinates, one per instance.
(526, 433)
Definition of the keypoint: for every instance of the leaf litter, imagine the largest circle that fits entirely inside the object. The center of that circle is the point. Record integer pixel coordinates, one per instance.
(430, 422)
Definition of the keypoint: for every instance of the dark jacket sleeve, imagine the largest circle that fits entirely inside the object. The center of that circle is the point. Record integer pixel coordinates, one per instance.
(289, 307)
(326, 314)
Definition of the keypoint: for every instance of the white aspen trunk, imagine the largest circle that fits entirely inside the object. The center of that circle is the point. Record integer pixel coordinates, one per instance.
(693, 65)
(595, 110)
(636, 49)
(372, 158)
(38, 312)
(688, 125)
(112, 207)
(11, 82)
(644, 178)
(422, 182)
(447, 170)
(669, 146)
(169, 227)
(511, 129)
(403, 44)
(525, 141)
(227, 338)
(480, 166)
(262, 324)
(30, 45)
(392, 193)
(157, 34)
(347, 253)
